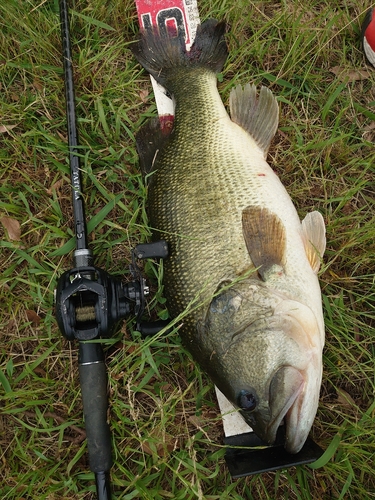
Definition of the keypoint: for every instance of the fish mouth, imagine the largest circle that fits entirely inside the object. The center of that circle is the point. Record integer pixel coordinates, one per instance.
(286, 399)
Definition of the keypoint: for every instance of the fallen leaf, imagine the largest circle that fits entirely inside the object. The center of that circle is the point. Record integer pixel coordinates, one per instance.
(55, 186)
(39, 371)
(12, 227)
(369, 132)
(344, 398)
(33, 317)
(161, 444)
(11, 324)
(6, 128)
(143, 94)
(369, 127)
(350, 75)
(37, 84)
(146, 448)
(198, 422)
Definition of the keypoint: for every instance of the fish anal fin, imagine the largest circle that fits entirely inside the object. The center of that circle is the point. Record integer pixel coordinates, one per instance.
(258, 116)
(314, 238)
(265, 239)
(150, 139)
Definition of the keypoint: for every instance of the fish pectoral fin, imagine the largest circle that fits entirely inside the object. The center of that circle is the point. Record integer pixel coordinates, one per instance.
(265, 239)
(314, 238)
(150, 139)
(259, 117)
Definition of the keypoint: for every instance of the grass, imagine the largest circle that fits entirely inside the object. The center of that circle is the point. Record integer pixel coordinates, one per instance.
(166, 430)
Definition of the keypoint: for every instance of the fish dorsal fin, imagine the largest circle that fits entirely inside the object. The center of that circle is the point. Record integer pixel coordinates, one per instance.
(259, 117)
(265, 239)
(314, 238)
(150, 139)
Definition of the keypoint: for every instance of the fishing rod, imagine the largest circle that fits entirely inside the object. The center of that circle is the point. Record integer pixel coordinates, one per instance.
(90, 303)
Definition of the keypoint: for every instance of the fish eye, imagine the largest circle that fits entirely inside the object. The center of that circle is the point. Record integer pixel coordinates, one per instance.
(247, 400)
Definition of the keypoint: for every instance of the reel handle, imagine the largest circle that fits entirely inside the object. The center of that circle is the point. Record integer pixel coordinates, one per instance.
(150, 328)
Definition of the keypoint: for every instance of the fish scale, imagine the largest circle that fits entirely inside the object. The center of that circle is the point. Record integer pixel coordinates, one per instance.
(194, 178)
(241, 263)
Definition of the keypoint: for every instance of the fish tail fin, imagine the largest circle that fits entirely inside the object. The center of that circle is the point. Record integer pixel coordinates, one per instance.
(160, 54)
(259, 117)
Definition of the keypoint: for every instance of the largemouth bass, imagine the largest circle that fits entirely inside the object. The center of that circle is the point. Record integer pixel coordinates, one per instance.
(241, 263)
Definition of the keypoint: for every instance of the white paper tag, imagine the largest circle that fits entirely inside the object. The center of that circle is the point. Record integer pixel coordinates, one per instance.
(233, 422)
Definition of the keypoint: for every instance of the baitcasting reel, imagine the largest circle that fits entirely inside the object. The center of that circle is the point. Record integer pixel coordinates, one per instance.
(90, 303)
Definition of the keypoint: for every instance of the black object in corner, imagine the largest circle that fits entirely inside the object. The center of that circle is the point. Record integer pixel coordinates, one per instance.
(247, 454)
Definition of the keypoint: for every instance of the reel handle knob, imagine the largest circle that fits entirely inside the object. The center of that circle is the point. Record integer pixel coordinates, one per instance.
(155, 250)
(149, 328)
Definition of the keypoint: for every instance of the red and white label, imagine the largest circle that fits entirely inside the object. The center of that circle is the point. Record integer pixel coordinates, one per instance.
(176, 17)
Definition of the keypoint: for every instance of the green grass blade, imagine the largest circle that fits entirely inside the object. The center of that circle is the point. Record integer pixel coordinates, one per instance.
(5, 383)
(328, 454)
(91, 226)
(94, 22)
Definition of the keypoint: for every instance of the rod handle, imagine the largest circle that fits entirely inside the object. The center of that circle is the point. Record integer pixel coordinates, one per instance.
(93, 379)
(103, 490)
